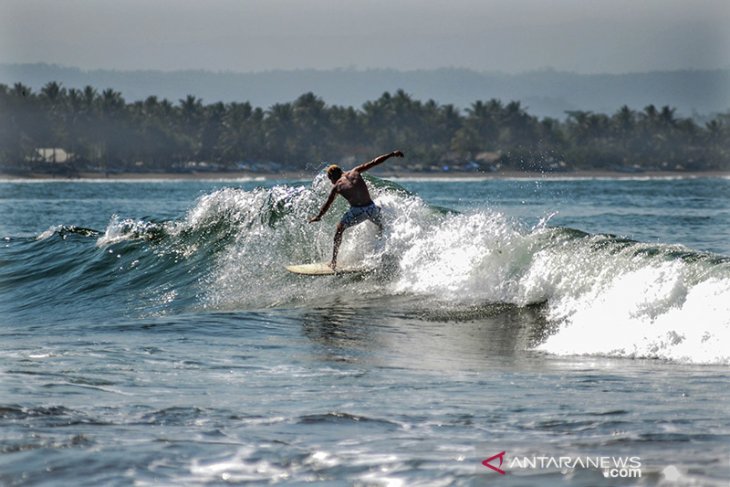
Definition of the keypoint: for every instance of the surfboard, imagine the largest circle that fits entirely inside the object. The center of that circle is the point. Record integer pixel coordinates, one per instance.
(322, 269)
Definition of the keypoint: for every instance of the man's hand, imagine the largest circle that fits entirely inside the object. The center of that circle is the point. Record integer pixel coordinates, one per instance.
(315, 219)
(397, 153)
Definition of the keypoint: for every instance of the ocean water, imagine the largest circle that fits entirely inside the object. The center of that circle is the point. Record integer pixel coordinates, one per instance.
(564, 332)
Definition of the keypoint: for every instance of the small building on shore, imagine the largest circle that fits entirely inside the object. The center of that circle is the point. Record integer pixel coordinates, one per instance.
(51, 155)
(52, 160)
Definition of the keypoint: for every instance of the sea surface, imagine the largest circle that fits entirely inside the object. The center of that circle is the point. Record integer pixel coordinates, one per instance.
(562, 331)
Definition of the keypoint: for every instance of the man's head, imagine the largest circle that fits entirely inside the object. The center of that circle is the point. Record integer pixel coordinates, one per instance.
(334, 173)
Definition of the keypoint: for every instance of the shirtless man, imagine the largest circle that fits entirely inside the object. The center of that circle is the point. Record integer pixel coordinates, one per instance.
(352, 187)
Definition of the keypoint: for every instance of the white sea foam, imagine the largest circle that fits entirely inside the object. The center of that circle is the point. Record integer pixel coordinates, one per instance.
(238, 468)
(639, 301)
(649, 312)
(119, 230)
(49, 233)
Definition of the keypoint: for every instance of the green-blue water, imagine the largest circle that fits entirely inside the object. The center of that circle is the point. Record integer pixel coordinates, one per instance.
(150, 335)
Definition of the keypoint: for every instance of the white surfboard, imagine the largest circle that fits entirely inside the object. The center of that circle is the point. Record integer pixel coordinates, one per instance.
(322, 269)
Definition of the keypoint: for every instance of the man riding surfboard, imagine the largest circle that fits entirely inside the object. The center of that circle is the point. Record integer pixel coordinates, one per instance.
(351, 185)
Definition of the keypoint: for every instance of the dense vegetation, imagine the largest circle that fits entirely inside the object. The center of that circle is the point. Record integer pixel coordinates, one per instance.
(100, 131)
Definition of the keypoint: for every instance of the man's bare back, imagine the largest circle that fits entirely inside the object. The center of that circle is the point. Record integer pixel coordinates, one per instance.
(352, 187)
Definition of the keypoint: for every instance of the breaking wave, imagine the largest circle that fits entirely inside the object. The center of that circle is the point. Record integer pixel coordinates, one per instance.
(599, 294)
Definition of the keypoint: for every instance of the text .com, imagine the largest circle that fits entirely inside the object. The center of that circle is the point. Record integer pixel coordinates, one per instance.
(611, 467)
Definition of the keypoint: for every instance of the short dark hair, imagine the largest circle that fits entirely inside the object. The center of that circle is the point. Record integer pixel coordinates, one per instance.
(334, 172)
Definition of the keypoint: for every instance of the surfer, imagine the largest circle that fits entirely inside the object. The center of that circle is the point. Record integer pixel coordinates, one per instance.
(352, 187)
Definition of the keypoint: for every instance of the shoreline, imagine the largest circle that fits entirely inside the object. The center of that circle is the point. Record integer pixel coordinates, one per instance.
(410, 175)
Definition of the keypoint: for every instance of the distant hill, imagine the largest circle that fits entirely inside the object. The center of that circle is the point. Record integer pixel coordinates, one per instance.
(544, 93)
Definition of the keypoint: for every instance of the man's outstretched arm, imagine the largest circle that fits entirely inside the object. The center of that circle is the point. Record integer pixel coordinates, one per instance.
(325, 207)
(378, 160)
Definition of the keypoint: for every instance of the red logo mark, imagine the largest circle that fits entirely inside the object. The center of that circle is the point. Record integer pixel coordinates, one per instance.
(496, 469)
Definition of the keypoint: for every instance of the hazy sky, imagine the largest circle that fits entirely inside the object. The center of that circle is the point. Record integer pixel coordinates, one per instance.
(586, 36)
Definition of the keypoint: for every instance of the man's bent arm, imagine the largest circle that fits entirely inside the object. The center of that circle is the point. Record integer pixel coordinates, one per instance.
(378, 160)
(325, 207)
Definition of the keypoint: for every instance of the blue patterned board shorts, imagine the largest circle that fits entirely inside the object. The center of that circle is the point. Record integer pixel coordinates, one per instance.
(358, 214)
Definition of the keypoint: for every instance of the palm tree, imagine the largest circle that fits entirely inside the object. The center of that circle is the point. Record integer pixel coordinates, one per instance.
(312, 128)
(278, 130)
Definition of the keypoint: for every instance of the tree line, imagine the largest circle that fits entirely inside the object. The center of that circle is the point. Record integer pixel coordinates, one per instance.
(101, 131)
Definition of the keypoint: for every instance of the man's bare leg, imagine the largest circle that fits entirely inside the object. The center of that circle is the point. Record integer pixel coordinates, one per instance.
(336, 247)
